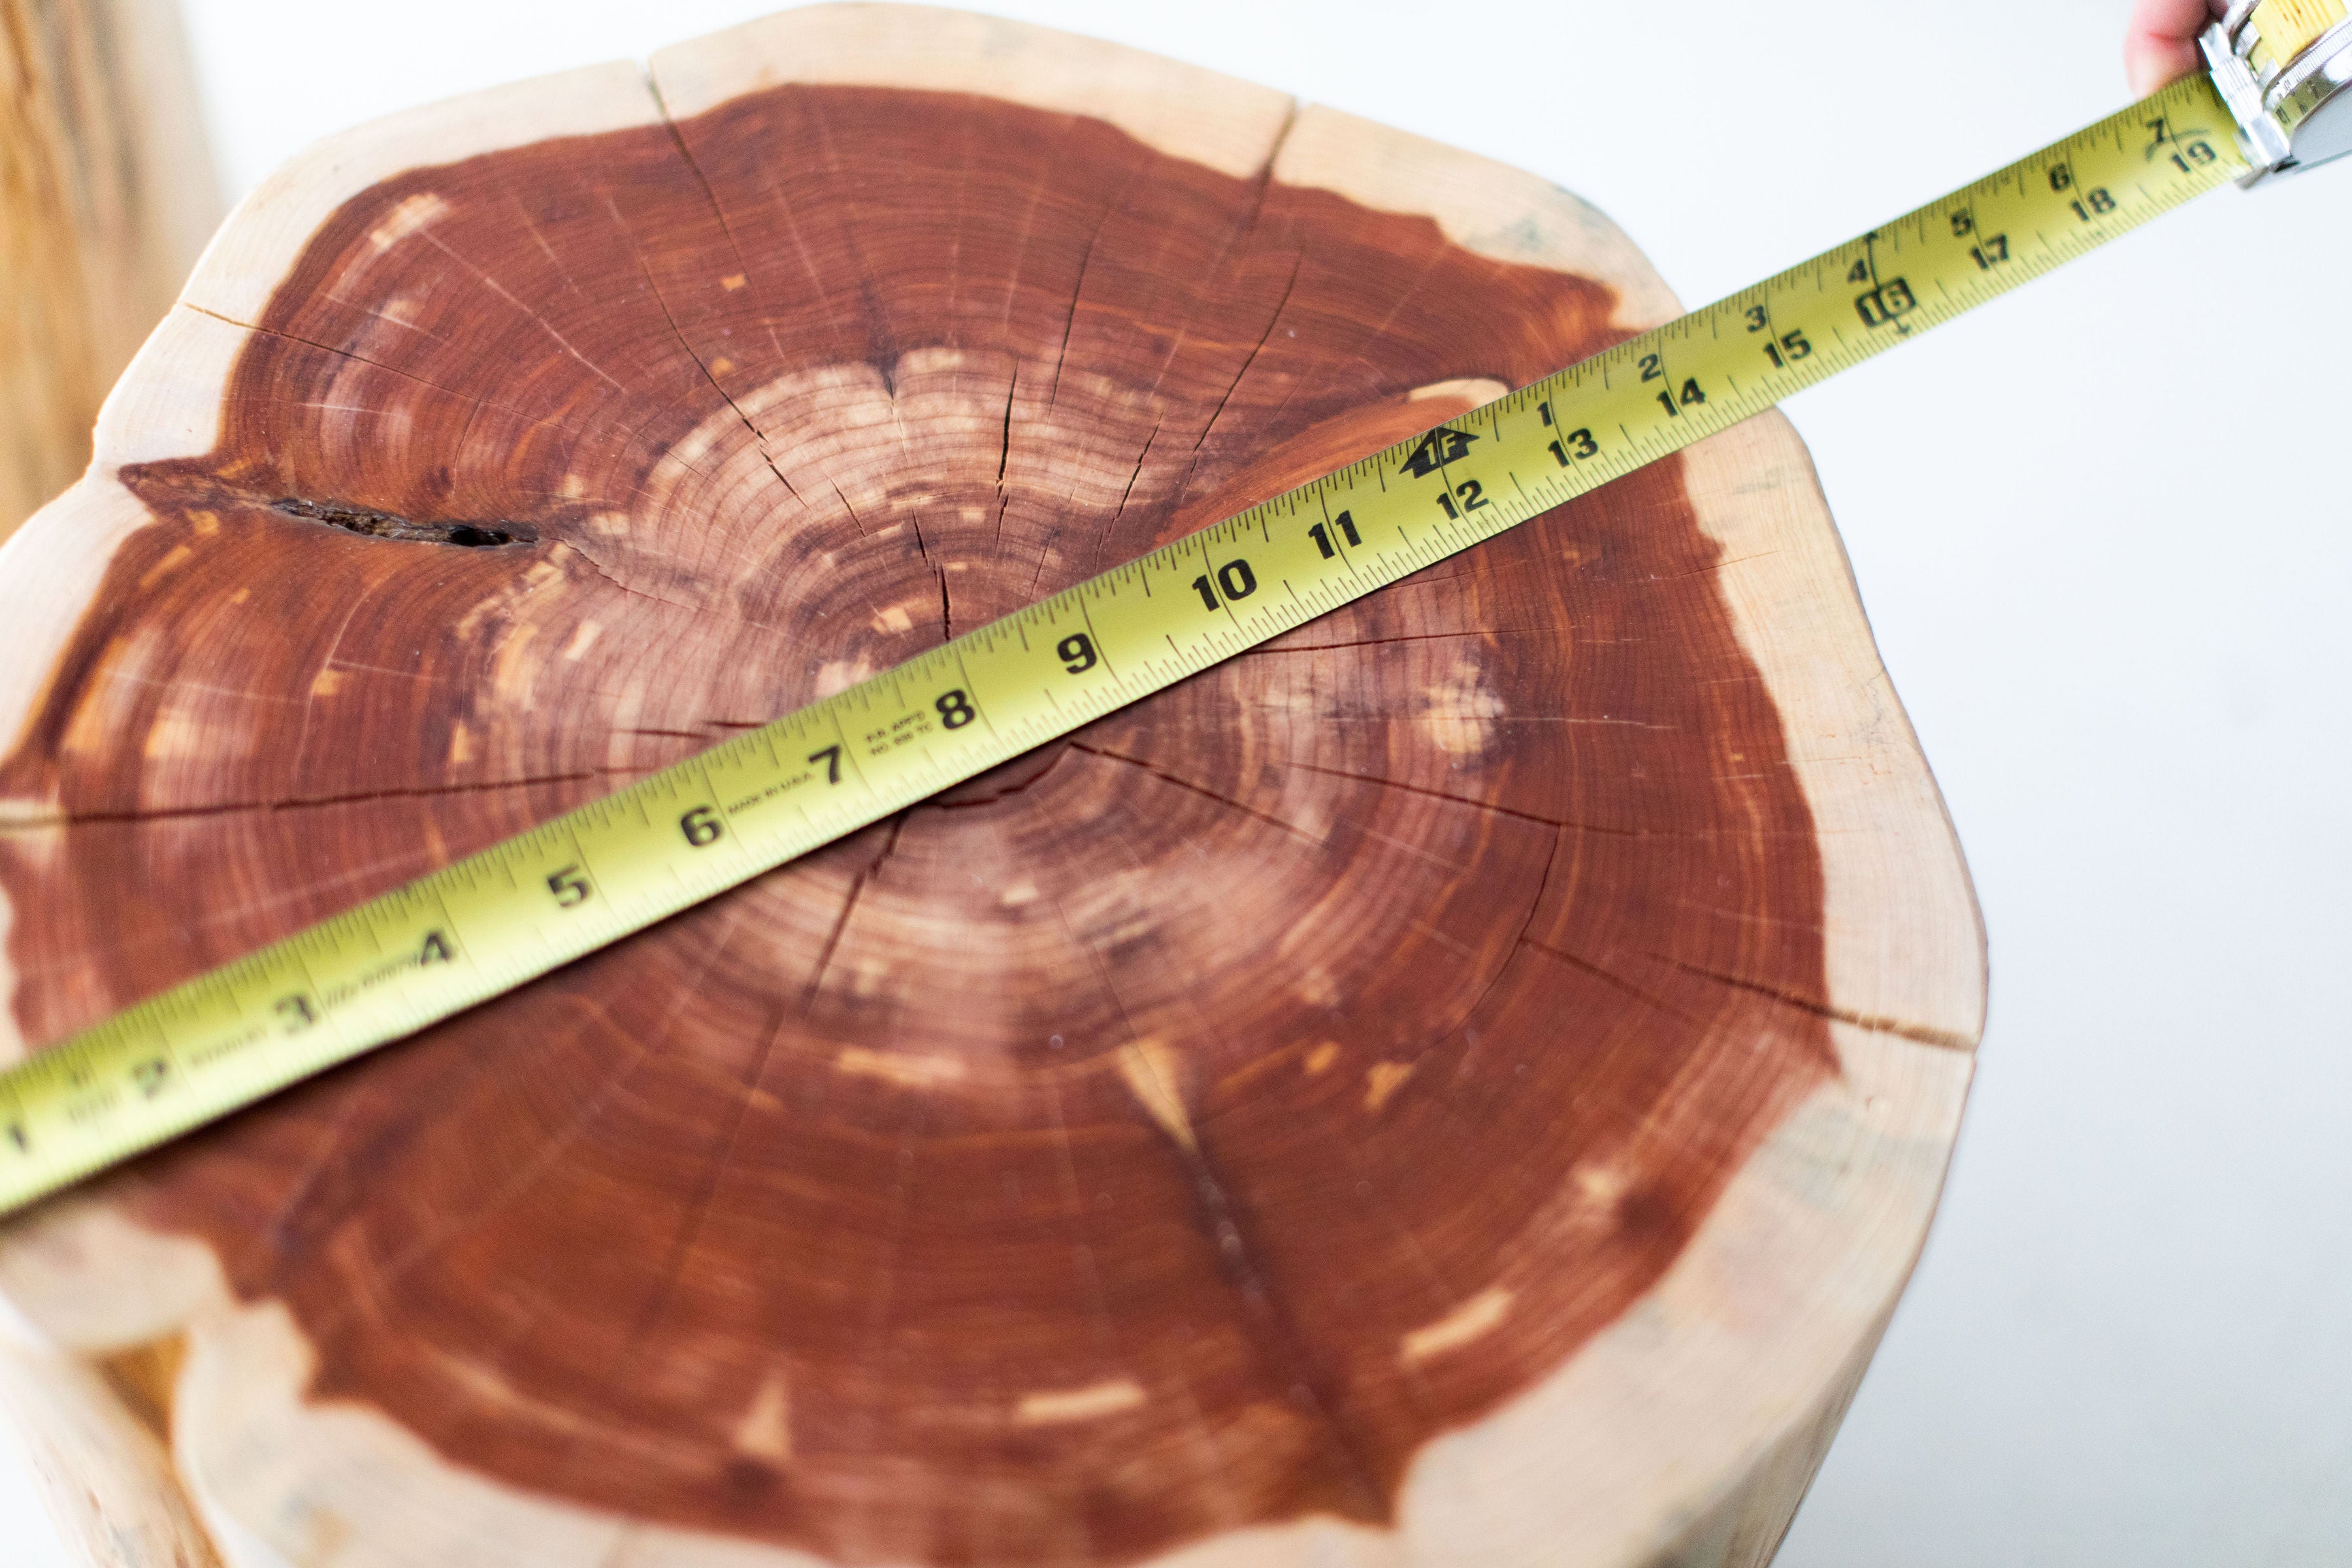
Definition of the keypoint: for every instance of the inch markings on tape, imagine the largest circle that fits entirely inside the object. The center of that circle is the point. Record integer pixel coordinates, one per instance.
(498, 918)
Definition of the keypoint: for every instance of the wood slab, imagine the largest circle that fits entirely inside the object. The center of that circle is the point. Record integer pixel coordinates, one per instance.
(1463, 1083)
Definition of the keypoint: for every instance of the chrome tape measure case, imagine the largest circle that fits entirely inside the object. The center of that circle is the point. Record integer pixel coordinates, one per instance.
(2281, 67)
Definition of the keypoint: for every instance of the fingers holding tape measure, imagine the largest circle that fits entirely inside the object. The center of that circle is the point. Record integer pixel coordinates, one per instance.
(2160, 41)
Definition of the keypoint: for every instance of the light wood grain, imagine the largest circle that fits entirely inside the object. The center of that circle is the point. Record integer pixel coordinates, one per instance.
(106, 194)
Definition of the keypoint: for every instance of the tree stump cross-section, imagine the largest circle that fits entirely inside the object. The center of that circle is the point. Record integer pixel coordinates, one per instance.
(1463, 1081)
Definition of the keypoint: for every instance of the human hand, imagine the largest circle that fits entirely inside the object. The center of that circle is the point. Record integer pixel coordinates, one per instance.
(2160, 44)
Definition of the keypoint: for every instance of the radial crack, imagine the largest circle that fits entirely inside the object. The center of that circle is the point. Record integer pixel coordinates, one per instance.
(1296, 260)
(1023, 787)
(602, 571)
(881, 341)
(1383, 642)
(298, 803)
(544, 325)
(1535, 905)
(1262, 182)
(689, 1229)
(1273, 1327)
(1004, 454)
(1465, 800)
(1086, 260)
(1202, 790)
(859, 523)
(355, 355)
(759, 437)
(849, 904)
(1944, 1039)
(446, 1227)
(1132, 479)
(711, 195)
(1607, 977)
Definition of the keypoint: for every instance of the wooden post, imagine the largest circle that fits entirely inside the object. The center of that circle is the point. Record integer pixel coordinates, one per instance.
(1464, 1083)
(107, 193)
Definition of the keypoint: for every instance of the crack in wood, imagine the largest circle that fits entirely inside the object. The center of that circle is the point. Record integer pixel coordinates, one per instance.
(661, 301)
(1271, 1323)
(882, 345)
(649, 595)
(1535, 905)
(1265, 648)
(1004, 455)
(382, 1281)
(848, 905)
(1297, 260)
(1607, 977)
(1941, 1038)
(372, 524)
(495, 287)
(358, 358)
(1263, 181)
(300, 803)
(1124, 495)
(1086, 260)
(946, 801)
(1465, 800)
(1224, 800)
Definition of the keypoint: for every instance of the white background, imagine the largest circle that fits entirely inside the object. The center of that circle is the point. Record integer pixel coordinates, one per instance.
(2101, 530)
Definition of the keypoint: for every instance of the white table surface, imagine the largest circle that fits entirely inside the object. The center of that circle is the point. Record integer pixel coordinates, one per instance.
(2101, 529)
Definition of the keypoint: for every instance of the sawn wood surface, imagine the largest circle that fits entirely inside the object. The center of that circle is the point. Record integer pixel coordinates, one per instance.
(1462, 1082)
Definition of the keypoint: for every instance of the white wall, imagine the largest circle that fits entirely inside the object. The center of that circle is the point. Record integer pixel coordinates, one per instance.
(2100, 530)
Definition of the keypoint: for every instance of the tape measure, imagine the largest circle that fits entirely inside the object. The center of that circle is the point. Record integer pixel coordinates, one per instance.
(491, 922)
